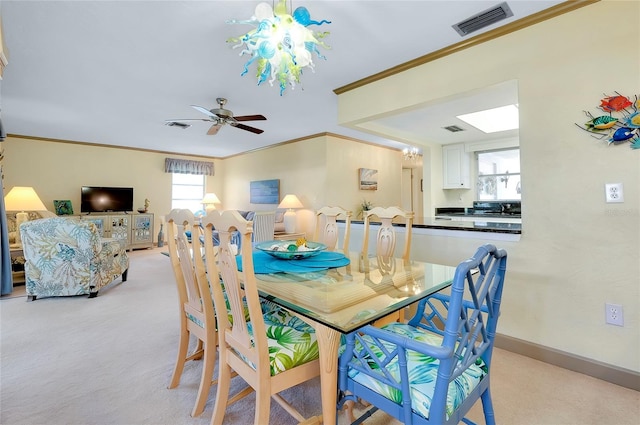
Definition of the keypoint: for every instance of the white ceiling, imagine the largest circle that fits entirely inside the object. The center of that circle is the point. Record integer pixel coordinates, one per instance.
(112, 72)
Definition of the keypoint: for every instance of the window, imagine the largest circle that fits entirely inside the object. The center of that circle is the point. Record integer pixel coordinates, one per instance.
(499, 175)
(187, 191)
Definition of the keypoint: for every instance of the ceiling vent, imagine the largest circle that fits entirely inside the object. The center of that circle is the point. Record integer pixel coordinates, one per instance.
(483, 19)
(453, 128)
(178, 124)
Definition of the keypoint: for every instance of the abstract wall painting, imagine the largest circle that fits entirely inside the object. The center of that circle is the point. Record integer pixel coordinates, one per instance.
(264, 191)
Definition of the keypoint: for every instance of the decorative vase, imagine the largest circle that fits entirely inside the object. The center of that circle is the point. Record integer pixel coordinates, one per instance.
(160, 237)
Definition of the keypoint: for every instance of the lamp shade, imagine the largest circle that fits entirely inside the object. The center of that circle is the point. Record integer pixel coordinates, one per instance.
(22, 198)
(209, 201)
(210, 198)
(290, 202)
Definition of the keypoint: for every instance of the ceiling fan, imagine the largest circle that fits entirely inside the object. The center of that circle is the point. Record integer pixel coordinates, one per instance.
(219, 117)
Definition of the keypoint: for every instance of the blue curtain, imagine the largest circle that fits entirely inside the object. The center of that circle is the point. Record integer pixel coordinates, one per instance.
(6, 282)
(185, 166)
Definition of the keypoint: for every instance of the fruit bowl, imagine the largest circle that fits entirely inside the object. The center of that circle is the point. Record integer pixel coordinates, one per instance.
(289, 250)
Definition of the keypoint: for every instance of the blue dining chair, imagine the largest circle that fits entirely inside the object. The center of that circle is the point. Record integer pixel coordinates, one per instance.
(434, 368)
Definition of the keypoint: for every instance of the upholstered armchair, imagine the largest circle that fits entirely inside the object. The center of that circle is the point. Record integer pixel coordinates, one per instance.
(65, 256)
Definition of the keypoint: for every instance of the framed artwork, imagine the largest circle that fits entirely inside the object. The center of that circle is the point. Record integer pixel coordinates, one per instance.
(368, 179)
(264, 191)
(63, 207)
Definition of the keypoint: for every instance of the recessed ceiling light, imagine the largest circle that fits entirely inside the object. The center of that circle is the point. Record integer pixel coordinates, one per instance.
(493, 120)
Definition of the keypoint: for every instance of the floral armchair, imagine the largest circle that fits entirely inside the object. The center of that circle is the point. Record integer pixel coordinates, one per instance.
(65, 256)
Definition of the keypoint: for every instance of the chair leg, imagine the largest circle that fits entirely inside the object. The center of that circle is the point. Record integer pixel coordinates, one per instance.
(93, 294)
(222, 395)
(487, 407)
(198, 352)
(205, 379)
(124, 275)
(263, 402)
(31, 298)
(183, 347)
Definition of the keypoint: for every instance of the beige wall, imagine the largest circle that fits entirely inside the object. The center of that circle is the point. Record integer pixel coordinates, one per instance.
(576, 251)
(58, 170)
(321, 171)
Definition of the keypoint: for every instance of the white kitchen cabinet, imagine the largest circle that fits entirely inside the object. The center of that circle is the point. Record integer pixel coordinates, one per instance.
(456, 167)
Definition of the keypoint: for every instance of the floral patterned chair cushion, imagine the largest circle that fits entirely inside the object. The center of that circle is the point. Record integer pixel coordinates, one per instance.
(423, 370)
(65, 256)
(292, 342)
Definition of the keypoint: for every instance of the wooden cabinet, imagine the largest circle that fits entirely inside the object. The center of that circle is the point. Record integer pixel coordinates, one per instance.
(142, 231)
(136, 230)
(456, 167)
(17, 266)
(114, 226)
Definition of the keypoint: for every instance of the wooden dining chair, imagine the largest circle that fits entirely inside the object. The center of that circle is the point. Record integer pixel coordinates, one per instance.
(197, 315)
(327, 230)
(271, 350)
(385, 246)
(386, 236)
(422, 372)
(264, 223)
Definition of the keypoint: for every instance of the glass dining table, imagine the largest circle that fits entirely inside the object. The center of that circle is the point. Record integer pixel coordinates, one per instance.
(338, 300)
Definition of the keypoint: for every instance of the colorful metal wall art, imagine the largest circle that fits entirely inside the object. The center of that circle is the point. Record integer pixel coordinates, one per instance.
(619, 124)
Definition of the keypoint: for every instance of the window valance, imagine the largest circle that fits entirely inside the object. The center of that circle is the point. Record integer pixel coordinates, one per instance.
(185, 166)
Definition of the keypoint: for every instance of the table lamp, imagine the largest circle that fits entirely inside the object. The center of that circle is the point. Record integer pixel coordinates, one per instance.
(209, 201)
(290, 202)
(22, 199)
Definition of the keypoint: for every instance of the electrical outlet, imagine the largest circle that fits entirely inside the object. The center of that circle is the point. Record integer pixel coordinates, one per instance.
(613, 192)
(613, 314)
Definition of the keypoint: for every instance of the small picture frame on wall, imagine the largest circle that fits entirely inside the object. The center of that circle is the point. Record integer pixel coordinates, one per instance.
(368, 179)
(63, 207)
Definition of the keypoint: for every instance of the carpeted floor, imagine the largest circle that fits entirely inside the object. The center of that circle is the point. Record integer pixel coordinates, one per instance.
(108, 360)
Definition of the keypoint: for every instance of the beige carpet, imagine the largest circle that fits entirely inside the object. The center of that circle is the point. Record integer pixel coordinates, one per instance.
(108, 360)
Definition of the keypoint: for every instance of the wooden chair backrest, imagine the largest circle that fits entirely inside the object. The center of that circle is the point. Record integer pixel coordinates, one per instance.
(264, 223)
(253, 347)
(327, 228)
(188, 266)
(386, 237)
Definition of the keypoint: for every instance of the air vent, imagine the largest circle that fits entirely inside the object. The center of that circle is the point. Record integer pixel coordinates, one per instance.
(178, 124)
(483, 19)
(453, 128)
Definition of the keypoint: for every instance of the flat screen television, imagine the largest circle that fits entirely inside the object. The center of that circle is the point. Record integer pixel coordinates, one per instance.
(104, 199)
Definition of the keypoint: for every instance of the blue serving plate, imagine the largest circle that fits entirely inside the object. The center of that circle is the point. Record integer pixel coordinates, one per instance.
(280, 249)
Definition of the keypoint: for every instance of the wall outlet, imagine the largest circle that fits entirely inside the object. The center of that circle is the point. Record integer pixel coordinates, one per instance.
(613, 192)
(613, 314)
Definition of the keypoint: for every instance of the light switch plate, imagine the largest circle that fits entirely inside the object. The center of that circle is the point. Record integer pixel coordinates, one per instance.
(614, 192)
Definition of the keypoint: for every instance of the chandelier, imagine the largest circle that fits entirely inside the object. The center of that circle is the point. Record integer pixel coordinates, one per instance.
(410, 154)
(281, 44)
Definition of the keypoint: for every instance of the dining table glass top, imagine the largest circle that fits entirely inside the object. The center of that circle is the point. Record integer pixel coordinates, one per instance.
(350, 296)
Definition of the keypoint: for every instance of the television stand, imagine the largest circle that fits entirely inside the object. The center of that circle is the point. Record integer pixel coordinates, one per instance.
(134, 229)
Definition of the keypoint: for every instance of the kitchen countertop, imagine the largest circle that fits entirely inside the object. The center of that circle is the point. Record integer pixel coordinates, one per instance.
(477, 226)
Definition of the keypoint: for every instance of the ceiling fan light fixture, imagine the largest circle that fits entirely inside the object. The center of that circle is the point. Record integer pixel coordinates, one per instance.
(219, 117)
(281, 44)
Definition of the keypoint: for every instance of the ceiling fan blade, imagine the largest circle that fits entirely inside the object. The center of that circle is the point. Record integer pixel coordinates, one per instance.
(250, 118)
(186, 119)
(204, 111)
(246, 127)
(213, 130)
